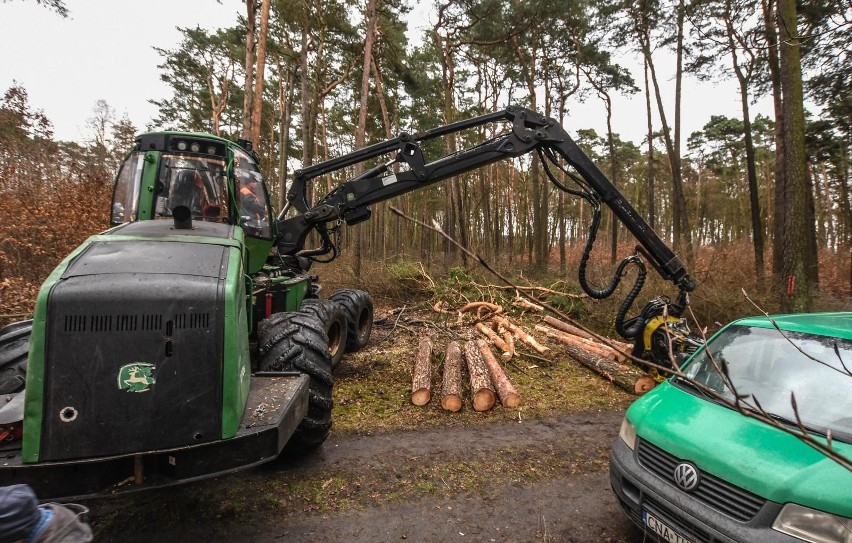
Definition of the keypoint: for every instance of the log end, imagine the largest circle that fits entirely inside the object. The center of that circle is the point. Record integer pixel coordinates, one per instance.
(421, 396)
(506, 356)
(483, 400)
(644, 384)
(512, 400)
(451, 402)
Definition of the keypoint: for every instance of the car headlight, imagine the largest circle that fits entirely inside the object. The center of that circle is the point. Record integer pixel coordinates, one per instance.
(812, 525)
(627, 433)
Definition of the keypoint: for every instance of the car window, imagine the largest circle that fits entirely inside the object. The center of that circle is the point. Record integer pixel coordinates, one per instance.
(765, 365)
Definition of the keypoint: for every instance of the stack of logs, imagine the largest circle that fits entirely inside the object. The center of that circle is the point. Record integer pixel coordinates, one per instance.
(488, 381)
(609, 360)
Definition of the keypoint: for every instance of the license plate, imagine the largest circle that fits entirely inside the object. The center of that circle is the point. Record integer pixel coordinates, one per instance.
(660, 528)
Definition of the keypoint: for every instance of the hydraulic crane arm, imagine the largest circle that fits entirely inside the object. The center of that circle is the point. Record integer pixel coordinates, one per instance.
(529, 132)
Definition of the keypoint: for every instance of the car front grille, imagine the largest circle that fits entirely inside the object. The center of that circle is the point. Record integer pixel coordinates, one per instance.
(722, 496)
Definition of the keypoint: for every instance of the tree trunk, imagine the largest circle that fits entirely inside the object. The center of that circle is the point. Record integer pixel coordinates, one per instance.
(743, 79)
(421, 383)
(506, 391)
(481, 387)
(259, 81)
(797, 230)
(680, 221)
(251, 16)
(285, 96)
(650, 187)
(769, 11)
(307, 112)
(451, 399)
(361, 131)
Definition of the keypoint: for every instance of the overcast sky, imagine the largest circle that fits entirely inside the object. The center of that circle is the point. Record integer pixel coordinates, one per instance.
(104, 50)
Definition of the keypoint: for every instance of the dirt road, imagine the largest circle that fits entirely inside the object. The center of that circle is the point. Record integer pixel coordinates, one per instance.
(523, 481)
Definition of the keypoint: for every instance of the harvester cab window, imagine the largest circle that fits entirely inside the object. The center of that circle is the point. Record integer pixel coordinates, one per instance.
(125, 196)
(194, 182)
(252, 201)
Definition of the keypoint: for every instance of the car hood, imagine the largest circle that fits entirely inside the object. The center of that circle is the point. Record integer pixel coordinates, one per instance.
(743, 451)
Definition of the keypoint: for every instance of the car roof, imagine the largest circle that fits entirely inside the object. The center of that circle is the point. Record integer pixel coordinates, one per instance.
(823, 324)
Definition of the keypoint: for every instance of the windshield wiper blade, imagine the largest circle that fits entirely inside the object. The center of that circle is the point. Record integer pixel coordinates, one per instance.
(787, 421)
(686, 383)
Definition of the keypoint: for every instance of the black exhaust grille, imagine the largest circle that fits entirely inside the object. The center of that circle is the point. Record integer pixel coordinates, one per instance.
(718, 494)
(75, 323)
(125, 323)
(192, 321)
(152, 322)
(100, 323)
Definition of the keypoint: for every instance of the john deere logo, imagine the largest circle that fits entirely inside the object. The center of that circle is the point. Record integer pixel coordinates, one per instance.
(136, 377)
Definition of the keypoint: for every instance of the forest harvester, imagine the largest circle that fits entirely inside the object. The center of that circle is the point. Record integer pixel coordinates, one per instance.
(189, 339)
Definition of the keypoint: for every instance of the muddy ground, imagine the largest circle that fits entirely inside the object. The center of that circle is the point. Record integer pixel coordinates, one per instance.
(529, 481)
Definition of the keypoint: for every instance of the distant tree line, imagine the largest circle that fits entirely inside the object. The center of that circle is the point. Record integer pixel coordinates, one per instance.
(306, 81)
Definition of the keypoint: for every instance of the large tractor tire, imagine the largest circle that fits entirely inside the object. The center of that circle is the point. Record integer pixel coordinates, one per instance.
(358, 307)
(297, 342)
(333, 318)
(14, 351)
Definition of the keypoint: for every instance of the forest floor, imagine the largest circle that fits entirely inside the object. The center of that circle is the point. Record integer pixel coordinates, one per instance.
(391, 471)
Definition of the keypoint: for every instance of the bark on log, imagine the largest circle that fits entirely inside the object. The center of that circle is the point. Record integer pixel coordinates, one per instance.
(521, 334)
(510, 341)
(421, 383)
(565, 327)
(523, 303)
(498, 342)
(599, 349)
(621, 375)
(451, 398)
(506, 391)
(481, 387)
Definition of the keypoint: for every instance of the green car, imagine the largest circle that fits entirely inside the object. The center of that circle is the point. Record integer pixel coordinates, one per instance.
(689, 468)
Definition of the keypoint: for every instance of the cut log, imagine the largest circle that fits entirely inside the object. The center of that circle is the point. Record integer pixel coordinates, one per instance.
(480, 381)
(521, 334)
(506, 391)
(565, 327)
(523, 303)
(623, 376)
(510, 341)
(498, 342)
(643, 385)
(599, 349)
(451, 398)
(421, 383)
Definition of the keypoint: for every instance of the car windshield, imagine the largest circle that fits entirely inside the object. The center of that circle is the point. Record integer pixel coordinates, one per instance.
(765, 365)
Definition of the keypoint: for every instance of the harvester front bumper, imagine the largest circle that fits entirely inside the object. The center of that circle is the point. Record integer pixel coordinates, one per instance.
(276, 405)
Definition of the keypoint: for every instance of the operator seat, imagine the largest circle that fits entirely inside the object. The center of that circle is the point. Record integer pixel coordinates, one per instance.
(185, 192)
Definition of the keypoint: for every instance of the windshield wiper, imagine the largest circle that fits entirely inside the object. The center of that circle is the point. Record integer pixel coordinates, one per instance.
(787, 421)
(686, 383)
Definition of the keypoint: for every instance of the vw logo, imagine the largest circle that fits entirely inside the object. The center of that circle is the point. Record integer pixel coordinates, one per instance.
(686, 476)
